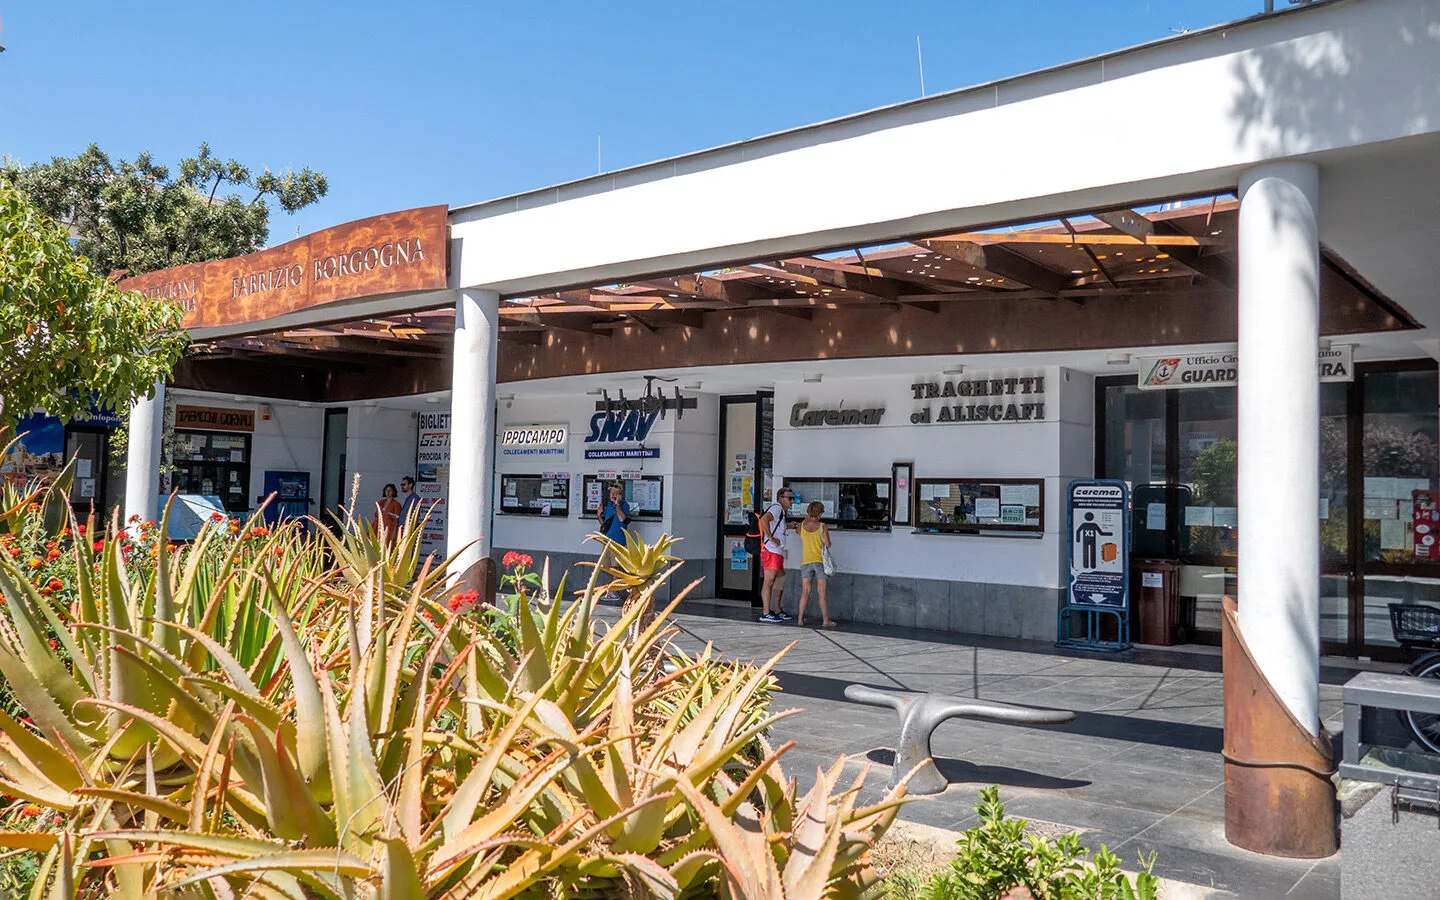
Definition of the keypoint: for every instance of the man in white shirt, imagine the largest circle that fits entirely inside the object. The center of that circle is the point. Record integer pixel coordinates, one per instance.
(772, 557)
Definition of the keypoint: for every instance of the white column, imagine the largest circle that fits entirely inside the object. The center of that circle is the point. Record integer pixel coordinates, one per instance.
(1279, 431)
(472, 427)
(142, 463)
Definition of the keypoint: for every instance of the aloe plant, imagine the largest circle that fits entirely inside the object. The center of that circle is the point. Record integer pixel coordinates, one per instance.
(242, 718)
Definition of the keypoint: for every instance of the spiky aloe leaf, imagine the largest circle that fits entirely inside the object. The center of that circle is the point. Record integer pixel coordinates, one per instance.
(311, 746)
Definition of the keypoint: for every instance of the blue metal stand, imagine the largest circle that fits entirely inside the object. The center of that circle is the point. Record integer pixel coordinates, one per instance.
(1090, 619)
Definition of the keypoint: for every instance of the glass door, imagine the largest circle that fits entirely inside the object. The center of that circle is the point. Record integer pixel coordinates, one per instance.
(88, 451)
(747, 427)
(1394, 460)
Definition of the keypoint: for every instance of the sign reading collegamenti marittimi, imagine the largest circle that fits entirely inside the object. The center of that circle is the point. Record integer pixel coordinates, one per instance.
(432, 478)
(1191, 370)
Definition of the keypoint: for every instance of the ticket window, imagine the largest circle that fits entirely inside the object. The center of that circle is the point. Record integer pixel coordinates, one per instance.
(214, 465)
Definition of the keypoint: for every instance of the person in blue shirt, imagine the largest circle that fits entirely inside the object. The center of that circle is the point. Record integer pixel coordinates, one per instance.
(412, 500)
(614, 513)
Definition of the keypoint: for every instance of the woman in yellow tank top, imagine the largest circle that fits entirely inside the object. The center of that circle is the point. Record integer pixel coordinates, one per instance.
(814, 534)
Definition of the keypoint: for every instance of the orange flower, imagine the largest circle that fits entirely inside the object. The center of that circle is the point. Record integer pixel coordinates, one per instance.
(36, 563)
(53, 555)
(30, 810)
(55, 584)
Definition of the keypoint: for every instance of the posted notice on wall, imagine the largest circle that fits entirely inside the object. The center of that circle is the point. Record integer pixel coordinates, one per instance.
(1099, 551)
(432, 479)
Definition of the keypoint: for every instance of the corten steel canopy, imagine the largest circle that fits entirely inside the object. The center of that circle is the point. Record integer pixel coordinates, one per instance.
(1127, 277)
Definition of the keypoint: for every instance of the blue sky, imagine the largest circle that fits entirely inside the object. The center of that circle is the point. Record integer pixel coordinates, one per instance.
(404, 103)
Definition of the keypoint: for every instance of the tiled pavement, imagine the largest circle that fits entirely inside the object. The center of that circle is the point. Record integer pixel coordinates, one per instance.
(1139, 769)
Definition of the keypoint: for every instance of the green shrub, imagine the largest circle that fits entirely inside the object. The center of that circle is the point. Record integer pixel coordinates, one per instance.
(997, 855)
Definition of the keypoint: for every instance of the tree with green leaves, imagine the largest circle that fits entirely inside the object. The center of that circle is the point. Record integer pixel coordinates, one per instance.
(69, 338)
(139, 216)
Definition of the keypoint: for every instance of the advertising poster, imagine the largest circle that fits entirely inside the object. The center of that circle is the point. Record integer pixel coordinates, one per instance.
(1099, 556)
(432, 478)
(1425, 519)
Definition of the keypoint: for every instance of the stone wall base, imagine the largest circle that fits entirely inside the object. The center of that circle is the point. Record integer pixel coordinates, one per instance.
(1001, 610)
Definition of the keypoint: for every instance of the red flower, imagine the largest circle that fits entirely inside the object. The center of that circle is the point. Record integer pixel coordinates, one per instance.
(99, 546)
(54, 645)
(14, 551)
(259, 531)
(30, 811)
(217, 517)
(55, 584)
(53, 555)
(517, 560)
(464, 600)
(83, 529)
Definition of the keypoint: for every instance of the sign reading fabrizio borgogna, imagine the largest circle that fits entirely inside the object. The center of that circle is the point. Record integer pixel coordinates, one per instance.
(1099, 551)
(396, 253)
(996, 399)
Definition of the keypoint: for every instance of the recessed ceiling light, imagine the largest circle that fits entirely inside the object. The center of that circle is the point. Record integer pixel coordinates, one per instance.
(956, 369)
(814, 378)
(1118, 359)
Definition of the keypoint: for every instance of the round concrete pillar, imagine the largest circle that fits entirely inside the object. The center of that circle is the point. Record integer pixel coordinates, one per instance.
(142, 463)
(472, 429)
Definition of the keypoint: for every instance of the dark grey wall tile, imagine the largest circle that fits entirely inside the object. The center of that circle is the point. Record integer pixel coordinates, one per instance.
(932, 604)
(1039, 615)
(868, 599)
(967, 607)
(841, 595)
(1004, 610)
(899, 597)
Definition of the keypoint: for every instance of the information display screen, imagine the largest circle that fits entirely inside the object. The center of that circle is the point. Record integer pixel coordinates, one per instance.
(979, 505)
(535, 495)
(850, 503)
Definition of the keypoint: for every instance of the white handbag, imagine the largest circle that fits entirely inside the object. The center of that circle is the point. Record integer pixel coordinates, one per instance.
(827, 560)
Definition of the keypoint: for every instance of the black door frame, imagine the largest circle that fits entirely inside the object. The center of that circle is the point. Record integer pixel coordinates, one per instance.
(326, 514)
(726, 532)
(96, 506)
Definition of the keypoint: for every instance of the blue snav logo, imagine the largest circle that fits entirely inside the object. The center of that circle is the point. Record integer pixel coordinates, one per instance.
(629, 426)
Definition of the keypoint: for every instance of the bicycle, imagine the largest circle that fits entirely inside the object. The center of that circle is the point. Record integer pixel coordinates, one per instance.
(1417, 626)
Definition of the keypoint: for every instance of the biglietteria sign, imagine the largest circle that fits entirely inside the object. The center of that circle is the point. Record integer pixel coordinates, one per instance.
(1158, 373)
(397, 253)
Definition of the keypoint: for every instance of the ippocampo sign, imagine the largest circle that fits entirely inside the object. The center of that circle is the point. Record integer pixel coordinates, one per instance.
(1159, 373)
(550, 441)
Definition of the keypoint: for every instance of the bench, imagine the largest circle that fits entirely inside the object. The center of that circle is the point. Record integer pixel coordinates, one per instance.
(921, 714)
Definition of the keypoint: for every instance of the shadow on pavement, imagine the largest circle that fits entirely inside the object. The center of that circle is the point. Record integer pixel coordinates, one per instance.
(959, 771)
(1089, 724)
